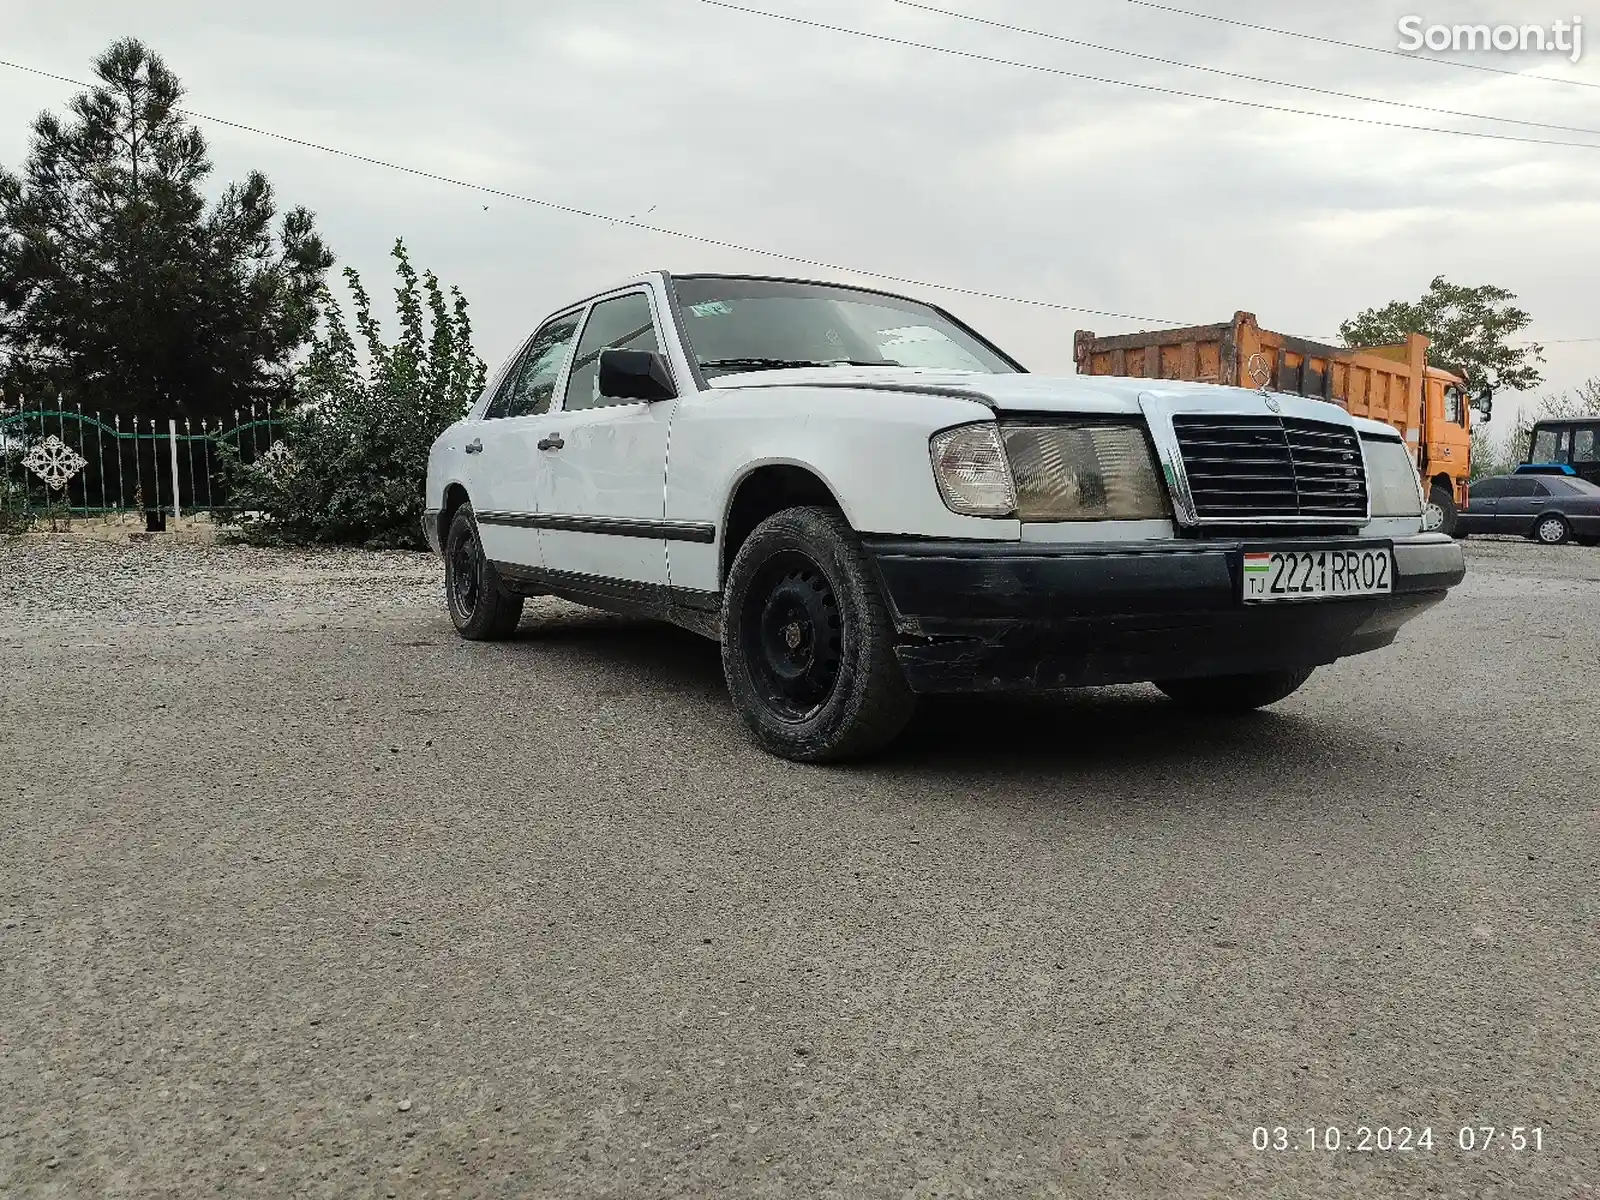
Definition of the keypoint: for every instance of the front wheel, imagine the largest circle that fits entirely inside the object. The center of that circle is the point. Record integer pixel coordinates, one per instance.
(480, 607)
(1440, 513)
(1552, 529)
(1234, 693)
(807, 643)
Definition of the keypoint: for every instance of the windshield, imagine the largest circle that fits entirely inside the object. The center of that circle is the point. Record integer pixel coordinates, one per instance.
(742, 324)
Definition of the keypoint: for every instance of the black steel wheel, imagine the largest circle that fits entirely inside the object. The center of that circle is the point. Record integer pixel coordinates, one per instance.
(480, 606)
(807, 643)
(791, 635)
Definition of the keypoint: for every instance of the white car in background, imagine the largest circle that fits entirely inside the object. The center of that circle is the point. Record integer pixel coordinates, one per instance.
(866, 501)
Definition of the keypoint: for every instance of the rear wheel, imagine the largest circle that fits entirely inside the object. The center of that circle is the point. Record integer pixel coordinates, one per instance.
(1235, 693)
(1552, 529)
(1440, 512)
(807, 643)
(480, 606)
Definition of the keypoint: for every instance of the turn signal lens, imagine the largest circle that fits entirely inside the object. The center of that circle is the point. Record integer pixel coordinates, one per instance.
(970, 467)
(1084, 473)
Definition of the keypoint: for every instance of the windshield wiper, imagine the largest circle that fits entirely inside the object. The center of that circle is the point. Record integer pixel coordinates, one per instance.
(779, 364)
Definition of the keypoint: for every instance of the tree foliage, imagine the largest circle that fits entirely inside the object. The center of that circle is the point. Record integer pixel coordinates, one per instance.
(359, 434)
(1471, 329)
(119, 290)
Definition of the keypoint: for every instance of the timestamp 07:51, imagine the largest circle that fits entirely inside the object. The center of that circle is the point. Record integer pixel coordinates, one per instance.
(1368, 1139)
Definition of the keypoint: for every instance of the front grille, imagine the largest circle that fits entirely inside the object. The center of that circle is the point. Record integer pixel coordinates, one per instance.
(1261, 468)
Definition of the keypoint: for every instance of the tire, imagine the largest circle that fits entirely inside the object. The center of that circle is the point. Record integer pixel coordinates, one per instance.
(1551, 529)
(807, 643)
(1441, 499)
(1235, 693)
(480, 606)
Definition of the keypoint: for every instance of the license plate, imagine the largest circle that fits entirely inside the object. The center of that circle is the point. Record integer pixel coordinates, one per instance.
(1317, 574)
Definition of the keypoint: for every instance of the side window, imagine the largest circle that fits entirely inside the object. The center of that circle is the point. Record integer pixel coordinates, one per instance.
(1586, 446)
(1453, 404)
(1540, 489)
(502, 395)
(1521, 488)
(1489, 489)
(532, 385)
(622, 323)
(1544, 446)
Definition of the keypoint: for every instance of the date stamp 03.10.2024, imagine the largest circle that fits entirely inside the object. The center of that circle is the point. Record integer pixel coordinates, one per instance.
(1400, 1139)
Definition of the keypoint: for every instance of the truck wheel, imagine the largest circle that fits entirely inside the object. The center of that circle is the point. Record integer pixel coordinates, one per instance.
(1235, 693)
(807, 643)
(479, 604)
(1439, 513)
(1552, 529)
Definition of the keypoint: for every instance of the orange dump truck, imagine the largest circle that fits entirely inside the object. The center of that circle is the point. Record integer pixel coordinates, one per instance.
(1393, 384)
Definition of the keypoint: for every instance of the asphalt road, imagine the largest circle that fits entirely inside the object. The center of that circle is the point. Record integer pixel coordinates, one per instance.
(300, 895)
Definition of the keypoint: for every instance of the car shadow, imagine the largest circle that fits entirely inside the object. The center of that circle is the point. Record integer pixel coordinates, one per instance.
(1112, 729)
(627, 654)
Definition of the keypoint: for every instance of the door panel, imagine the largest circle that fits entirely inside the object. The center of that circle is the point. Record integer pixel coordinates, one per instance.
(601, 487)
(502, 492)
(510, 460)
(1514, 513)
(1478, 516)
(611, 466)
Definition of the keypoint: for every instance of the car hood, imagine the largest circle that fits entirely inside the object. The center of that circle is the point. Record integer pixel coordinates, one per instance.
(1019, 393)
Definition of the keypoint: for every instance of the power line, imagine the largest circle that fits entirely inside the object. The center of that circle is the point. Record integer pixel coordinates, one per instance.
(574, 210)
(1299, 87)
(1311, 37)
(1147, 87)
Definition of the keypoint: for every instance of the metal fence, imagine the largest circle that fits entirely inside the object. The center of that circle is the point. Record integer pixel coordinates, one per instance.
(56, 459)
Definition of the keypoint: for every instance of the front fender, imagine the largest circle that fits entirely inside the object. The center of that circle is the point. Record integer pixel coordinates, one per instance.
(869, 448)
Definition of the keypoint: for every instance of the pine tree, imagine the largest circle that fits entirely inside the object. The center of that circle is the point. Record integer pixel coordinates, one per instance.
(119, 290)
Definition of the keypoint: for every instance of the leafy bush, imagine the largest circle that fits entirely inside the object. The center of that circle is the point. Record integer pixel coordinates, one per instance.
(16, 514)
(357, 439)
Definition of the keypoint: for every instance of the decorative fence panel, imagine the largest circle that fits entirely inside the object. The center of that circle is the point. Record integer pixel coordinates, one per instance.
(66, 459)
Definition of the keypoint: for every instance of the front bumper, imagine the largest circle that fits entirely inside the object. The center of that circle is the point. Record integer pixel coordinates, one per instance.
(1010, 616)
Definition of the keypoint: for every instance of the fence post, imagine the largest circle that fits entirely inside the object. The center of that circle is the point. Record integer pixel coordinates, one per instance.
(172, 441)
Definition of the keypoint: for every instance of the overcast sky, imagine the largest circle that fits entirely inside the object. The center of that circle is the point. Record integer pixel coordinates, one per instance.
(889, 158)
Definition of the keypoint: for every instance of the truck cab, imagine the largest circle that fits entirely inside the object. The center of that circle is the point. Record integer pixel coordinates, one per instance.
(1572, 442)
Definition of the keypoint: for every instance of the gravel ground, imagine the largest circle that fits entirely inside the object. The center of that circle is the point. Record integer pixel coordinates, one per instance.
(303, 896)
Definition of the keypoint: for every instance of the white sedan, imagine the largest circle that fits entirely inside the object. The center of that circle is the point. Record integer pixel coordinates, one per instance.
(865, 500)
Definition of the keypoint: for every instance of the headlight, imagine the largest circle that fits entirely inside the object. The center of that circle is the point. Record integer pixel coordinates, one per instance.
(1084, 473)
(969, 465)
(1392, 481)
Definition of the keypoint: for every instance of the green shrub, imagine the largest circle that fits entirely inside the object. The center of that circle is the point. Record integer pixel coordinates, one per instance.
(16, 513)
(357, 439)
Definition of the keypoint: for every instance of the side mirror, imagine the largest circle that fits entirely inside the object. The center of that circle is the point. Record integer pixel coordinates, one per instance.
(634, 375)
(1484, 400)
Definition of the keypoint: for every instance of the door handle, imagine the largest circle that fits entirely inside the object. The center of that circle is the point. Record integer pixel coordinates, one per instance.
(553, 442)
(475, 446)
